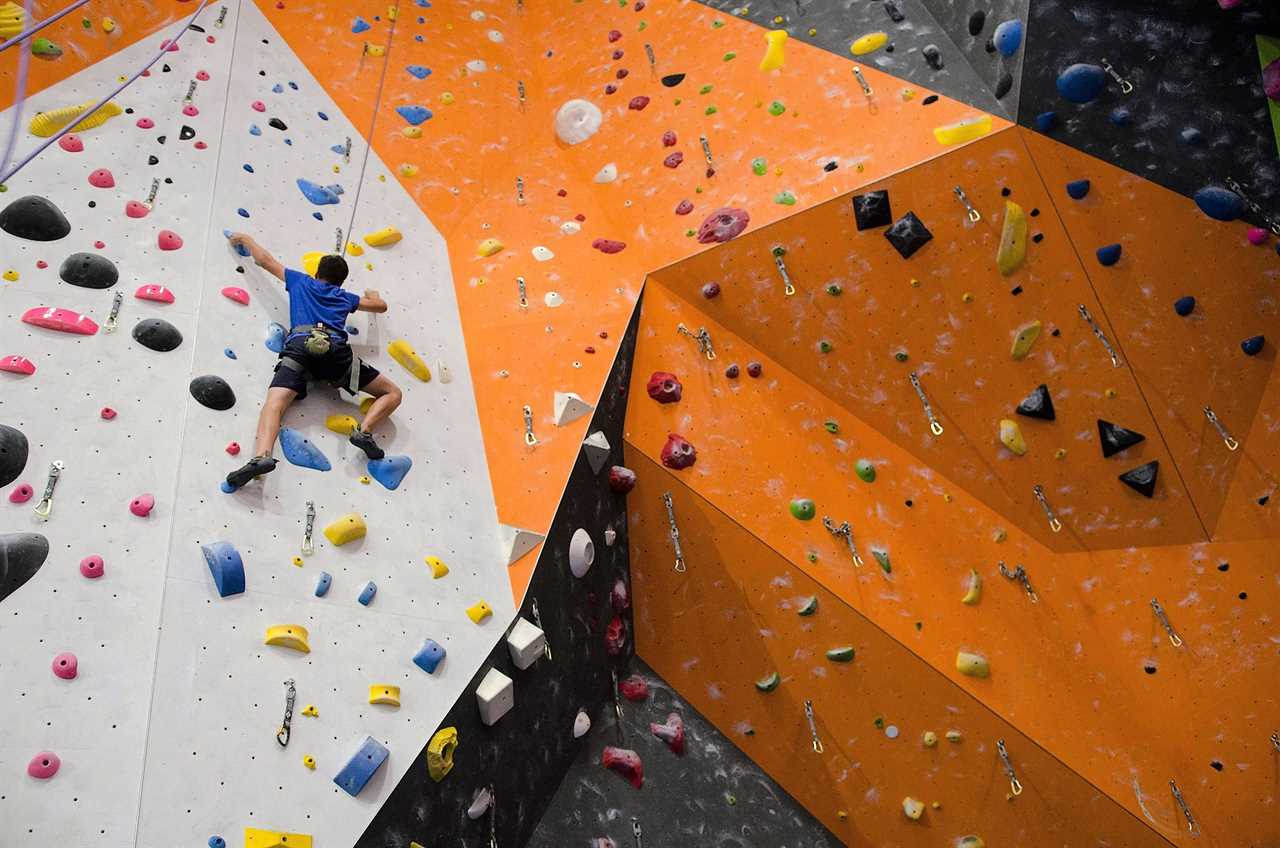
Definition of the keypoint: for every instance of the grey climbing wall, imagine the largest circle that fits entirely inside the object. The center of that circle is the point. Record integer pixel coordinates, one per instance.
(970, 24)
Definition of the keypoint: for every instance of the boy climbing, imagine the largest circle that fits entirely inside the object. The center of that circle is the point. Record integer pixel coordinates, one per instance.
(316, 348)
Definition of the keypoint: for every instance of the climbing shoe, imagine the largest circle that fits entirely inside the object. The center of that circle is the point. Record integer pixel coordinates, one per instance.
(255, 467)
(365, 442)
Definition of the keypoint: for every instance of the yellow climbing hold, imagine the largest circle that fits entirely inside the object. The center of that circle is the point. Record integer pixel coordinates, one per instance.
(1060, 453)
(311, 261)
(479, 611)
(365, 479)
(393, 12)
(45, 124)
(773, 54)
(11, 275)
(289, 636)
(401, 351)
(974, 593)
(309, 761)
(310, 710)
(407, 170)
(929, 739)
(384, 237)
(869, 43)
(354, 249)
(348, 528)
(489, 247)
(438, 568)
(297, 561)
(962, 131)
(1013, 239)
(440, 752)
(255, 838)
(375, 50)
(446, 97)
(383, 693)
(967, 297)
(412, 132)
(365, 403)
(954, 737)
(108, 25)
(1011, 436)
(1110, 394)
(912, 808)
(999, 536)
(1024, 338)
(971, 842)
(11, 20)
(341, 424)
(972, 665)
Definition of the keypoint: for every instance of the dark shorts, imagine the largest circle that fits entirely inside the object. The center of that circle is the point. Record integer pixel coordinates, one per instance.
(332, 367)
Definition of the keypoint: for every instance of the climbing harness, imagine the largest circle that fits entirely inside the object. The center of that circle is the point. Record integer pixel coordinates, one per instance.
(934, 425)
(308, 545)
(675, 531)
(845, 531)
(529, 438)
(636, 832)
(788, 288)
(1227, 440)
(1054, 524)
(706, 152)
(702, 338)
(191, 94)
(113, 317)
(1014, 785)
(813, 726)
(290, 695)
(320, 343)
(222, 17)
(537, 619)
(524, 293)
(862, 81)
(1174, 638)
(1020, 574)
(1272, 223)
(1125, 85)
(45, 506)
(974, 215)
(1102, 337)
(493, 818)
(1192, 827)
(520, 191)
(150, 202)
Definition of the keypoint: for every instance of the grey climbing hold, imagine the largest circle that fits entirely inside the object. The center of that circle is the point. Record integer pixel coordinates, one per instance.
(908, 234)
(34, 218)
(1038, 404)
(1115, 439)
(933, 56)
(157, 334)
(89, 271)
(213, 392)
(13, 454)
(21, 555)
(872, 210)
(1143, 478)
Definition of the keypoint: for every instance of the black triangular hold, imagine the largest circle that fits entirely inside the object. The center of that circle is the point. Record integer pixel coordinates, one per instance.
(908, 234)
(1115, 439)
(1038, 404)
(166, 68)
(162, 138)
(153, 160)
(1143, 478)
(186, 133)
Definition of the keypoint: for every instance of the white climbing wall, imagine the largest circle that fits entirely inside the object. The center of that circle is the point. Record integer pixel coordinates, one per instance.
(167, 736)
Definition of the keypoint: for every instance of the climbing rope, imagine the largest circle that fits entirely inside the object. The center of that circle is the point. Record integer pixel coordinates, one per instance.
(373, 122)
(19, 92)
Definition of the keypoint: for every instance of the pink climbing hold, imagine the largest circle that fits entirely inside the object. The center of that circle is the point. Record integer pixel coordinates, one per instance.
(102, 178)
(169, 240)
(210, 39)
(233, 448)
(638, 103)
(669, 138)
(63, 320)
(200, 145)
(723, 224)
(71, 143)
(145, 123)
(237, 294)
(615, 636)
(64, 665)
(609, 245)
(41, 264)
(107, 414)
(99, 244)
(169, 46)
(44, 765)
(15, 364)
(678, 452)
(614, 35)
(92, 567)
(625, 762)
(634, 688)
(21, 493)
(137, 209)
(619, 595)
(673, 160)
(1257, 235)
(672, 732)
(684, 207)
(258, 106)
(1271, 80)
(190, 110)
(203, 76)
(160, 294)
(142, 505)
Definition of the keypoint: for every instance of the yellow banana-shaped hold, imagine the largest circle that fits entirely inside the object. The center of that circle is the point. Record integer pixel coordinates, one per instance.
(383, 237)
(11, 20)
(1011, 436)
(489, 247)
(354, 249)
(45, 124)
(440, 752)
(773, 54)
(348, 528)
(1024, 338)
(1013, 239)
(382, 693)
(255, 838)
(289, 636)
(972, 665)
(401, 351)
(974, 594)
(869, 43)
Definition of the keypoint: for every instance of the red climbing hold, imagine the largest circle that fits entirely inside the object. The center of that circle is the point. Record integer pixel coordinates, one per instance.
(107, 413)
(136, 209)
(678, 453)
(622, 73)
(99, 244)
(92, 567)
(625, 762)
(723, 224)
(160, 294)
(21, 493)
(259, 106)
(237, 294)
(672, 732)
(614, 35)
(233, 448)
(684, 207)
(64, 665)
(609, 245)
(754, 369)
(634, 688)
(71, 143)
(142, 505)
(169, 46)
(200, 145)
(638, 103)
(44, 765)
(63, 320)
(15, 364)
(203, 76)
(102, 178)
(190, 110)
(41, 264)
(673, 160)
(145, 123)
(669, 139)
(610, 88)
(664, 387)
(615, 636)
(169, 240)
(621, 479)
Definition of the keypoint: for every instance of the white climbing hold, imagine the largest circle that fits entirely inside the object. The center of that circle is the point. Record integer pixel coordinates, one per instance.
(495, 696)
(607, 174)
(553, 299)
(570, 228)
(526, 642)
(610, 536)
(568, 407)
(596, 447)
(477, 66)
(517, 542)
(577, 120)
(495, 36)
(582, 552)
(581, 724)
(542, 253)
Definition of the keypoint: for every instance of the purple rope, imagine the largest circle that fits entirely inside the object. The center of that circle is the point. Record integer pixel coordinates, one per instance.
(4, 178)
(19, 95)
(22, 36)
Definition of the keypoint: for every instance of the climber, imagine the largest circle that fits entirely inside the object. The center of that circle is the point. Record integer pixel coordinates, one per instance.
(316, 349)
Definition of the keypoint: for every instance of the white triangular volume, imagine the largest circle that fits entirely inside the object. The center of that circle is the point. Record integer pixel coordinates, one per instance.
(569, 408)
(516, 542)
(596, 447)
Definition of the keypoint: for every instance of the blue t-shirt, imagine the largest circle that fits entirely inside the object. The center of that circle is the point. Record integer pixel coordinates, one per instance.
(312, 301)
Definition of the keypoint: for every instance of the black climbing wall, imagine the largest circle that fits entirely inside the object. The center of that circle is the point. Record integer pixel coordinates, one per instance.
(525, 755)
(712, 795)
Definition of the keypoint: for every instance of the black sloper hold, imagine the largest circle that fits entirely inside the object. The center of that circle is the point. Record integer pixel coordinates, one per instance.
(157, 334)
(186, 133)
(21, 555)
(1115, 439)
(908, 234)
(213, 392)
(872, 210)
(277, 124)
(34, 218)
(1143, 478)
(672, 80)
(89, 271)
(13, 453)
(1038, 404)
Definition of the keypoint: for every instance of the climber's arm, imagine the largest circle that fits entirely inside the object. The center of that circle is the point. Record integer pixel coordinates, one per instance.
(260, 255)
(372, 302)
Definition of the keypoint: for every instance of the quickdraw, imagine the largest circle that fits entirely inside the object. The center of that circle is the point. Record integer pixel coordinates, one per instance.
(308, 544)
(935, 426)
(1227, 440)
(1125, 85)
(788, 288)
(1015, 786)
(290, 695)
(1020, 575)
(537, 619)
(702, 338)
(113, 317)
(529, 438)
(675, 531)
(1174, 638)
(974, 215)
(1054, 524)
(845, 531)
(45, 506)
(1102, 337)
(813, 726)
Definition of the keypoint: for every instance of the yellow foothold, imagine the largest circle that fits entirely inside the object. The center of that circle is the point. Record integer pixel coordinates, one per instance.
(382, 693)
(773, 54)
(489, 247)
(365, 403)
(108, 25)
(393, 12)
(375, 50)
(383, 238)
(869, 43)
(1011, 436)
(929, 739)
(778, 19)
(974, 592)
(341, 424)
(12, 19)
(336, 169)
(962, 131)
(999, 536)
(255, 838)
(446, 98)
(813, 31)
(368, 266)
(1024, 338)
(309, 761)
(438, 568)
(348, 528)
(11, 275)
(967, 297)
(971, 842)
(915, 284)
(355, 249)
(843, 815)
(311, 261)
(479, 611)
(408, 170)
(412, 132)
(1013, 239)
(297, 561)
(401, 351)
(937, 805)
(1060, 453)
(289, 636)
(972, 665)
(1110, 394)
(954, 736)
(908, 94)
(365, 479)
(946, 497)
(310, 710)
(440, 752)
(912, 808)
(382, 178)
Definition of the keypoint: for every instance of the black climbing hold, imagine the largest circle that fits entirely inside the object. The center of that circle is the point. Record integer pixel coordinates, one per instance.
(1115, 439)
(162, 138)
(1015, 291)
(1143, 478)
(930, 100)
(157, 334)
(830, 166)
(1003, 85)
(34, 218)
(1035, 213)
(13, 453)
(894, 13)
(1006, 191)
(977, 20)
(1184, 306)
(872, 210)
(672, 80)
(89, 271)
(1252, 346)
(166, 68)
(195, 27)
(1038, 404)
(93, 204)
(168, 180)
(186, 133)
(21, 555)
(153, 160)
(213, 392)
(908, 234)
(1037, 238)
(128, 110)
(933, 56)
(278, 124)
(990, 46)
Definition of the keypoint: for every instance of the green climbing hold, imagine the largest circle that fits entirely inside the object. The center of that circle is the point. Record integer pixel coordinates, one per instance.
(825, 346)
(878, 721)
(834, 289)
(832, 425)
(812, 556)
(803, 509)
(717, 24)
(769, 683)
(777, 107)
(901, 356)
(710, 110)
(865, 470)
(809, 607)
(759, 166)
(706, 89)
(730, 56)
(642, 26)
(785, 198)
(882, 557)
(842, 655)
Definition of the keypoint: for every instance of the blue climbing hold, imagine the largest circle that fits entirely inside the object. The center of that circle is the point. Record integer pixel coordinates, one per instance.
(417, 38)
(429, 656)
(277, 89)
(1184, 306)
(360, 768)
(317, 216)
(217, 842)
(353, 330)
(1191, 135)
(1077, 189)
(1081, 82)
(366, 594)
(230, 354)
(301, 451)
(275, 337)
(389, 471)
(1109, 255)
(1008, 37)
(1046, 121)
(323, 584)
(293, 85)
(421, 19)
(1219, 203)
(335, 188)
(323, 116)
(226, 487)
(239, 248)
(1121, 117)
(243, 213)
(248, 167)
(226, 567)
(317, 194)
(426, 4)
(414, 115)
(289, 142)
(419, 71)
(360, 25)
(1252, 346)
(339, 148)
(254, 129)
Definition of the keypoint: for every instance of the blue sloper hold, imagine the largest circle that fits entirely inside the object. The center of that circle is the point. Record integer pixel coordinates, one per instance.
(389, 471)
(1008, 37)
(1121, 116)
(361, 767)
(417, 38)
(216, 841)
(248, 167)
(426, 4)
(317, 194)
(1252, 346)
(414, 114)
(226, 567)
(429, 656)
(322, 116)
(301, 451)
(293, 85)
(277, 89)
(419, 71)
(229, 353)
(366, 594)
(360, 25)
(1046, 121)
(242, 212)
(1081, 82)
(254, 129)
(1219, 203)
(1109, 255)
(1077, 189)
(1184, 306)
(240, 249)
(339, 148)
(275, 337)
(318, 216)
(323, 584)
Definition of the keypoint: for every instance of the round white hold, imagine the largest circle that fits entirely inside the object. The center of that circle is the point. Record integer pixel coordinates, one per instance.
(607, 174)
(581, 725)
(891, 731)
(582, 552)
(578, 120)
(570, 228)
(553, 299)
(477, 66)
(495, 36)
(543, 254)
